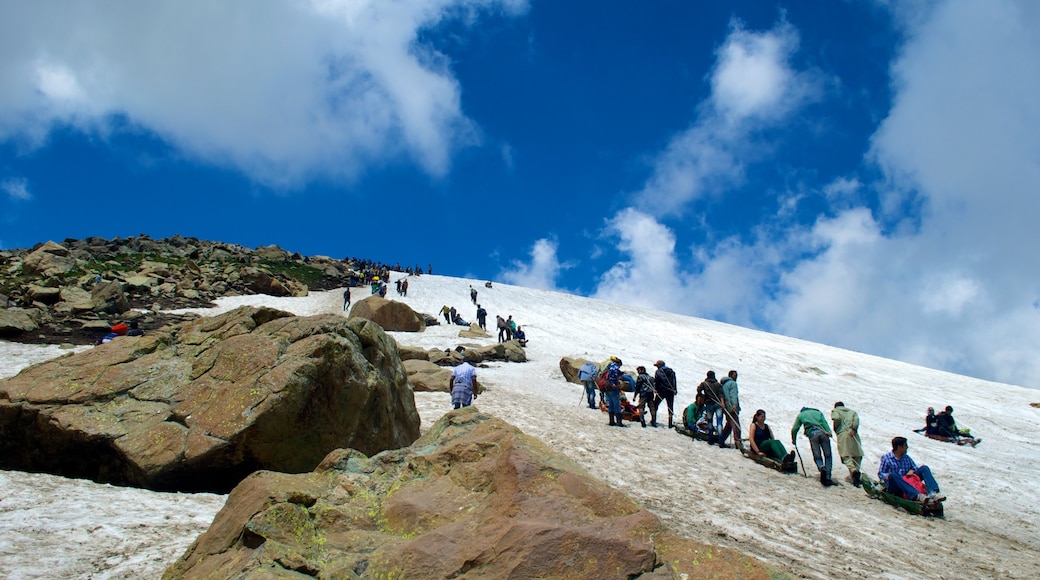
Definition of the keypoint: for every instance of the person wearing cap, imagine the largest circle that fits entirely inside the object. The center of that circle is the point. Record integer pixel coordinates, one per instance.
(731, 409)
(664, 384)
(818, 432)
(612, 392)
(850, 448)
(713, 400)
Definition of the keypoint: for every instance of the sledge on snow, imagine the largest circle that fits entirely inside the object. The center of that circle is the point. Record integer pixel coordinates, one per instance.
(629, 412)
(696, 434)
(789, 465)
(927, 509)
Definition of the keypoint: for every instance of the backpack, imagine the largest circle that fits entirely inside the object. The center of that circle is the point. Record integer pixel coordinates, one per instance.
(601, 380)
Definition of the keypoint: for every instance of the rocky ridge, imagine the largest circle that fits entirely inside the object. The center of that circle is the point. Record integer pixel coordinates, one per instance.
(74, 291)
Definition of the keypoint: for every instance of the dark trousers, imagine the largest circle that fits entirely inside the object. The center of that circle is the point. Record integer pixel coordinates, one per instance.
(732, 424)
(667, 397)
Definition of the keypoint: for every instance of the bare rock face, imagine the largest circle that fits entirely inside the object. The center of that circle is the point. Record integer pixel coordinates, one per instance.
(473, 498)
(200, 405)
(389, 314)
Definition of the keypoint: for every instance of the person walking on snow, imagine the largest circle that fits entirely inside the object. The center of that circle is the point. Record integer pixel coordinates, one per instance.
(481, 317)
(665, 385)
(462, 385)
(346, 299)
(731, 394)
(612, 391)
(819, 435)
(503, 328)
(713, 398)
(647, 396)
(587, 375)
(850, 448)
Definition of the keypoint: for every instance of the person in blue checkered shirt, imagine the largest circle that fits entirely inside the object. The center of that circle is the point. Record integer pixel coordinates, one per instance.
(896, 464)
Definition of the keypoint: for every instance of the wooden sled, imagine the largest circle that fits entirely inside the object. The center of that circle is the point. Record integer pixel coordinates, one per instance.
(697, 435)
(963, 440)
(788, 467)
(874, 490)
(629, 412)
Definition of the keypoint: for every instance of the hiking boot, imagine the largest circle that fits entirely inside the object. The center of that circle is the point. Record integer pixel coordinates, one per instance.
(934, 497)
(611, 415)
(856, 478)
(921, 498)
(723, 446)
(789, 458)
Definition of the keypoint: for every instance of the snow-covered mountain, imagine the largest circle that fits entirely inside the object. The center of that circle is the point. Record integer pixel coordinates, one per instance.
(710, 494)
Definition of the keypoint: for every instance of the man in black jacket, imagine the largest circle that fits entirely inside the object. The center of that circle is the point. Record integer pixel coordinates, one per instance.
(664, 384)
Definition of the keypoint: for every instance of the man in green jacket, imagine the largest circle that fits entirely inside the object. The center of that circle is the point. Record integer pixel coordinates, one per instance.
(819, 435)
(850, 449)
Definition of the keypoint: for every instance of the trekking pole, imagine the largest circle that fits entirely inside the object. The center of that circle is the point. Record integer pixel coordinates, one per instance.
(799, 454)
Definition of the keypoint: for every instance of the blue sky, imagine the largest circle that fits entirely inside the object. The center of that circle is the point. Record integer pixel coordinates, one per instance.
(859, 173)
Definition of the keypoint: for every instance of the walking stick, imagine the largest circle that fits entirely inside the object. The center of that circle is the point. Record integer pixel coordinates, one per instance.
(799, 454)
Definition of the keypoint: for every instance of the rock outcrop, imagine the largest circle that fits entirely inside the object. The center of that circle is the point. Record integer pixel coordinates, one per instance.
(390, 314)
(569, 367)
(473, 498)
(77, 283)
(200, 405)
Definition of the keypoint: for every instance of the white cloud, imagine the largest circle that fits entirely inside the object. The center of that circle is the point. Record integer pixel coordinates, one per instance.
(543, 270)
(957, 290)
(753, 87)
(16, 188)
(950, 284)
(753, 77)
(282, 90)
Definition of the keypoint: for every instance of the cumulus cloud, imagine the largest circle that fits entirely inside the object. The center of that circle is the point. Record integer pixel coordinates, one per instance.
(949, 284)
(541, 272)
(284, 91)
(754, 86)
(17, 188)
(955, 288)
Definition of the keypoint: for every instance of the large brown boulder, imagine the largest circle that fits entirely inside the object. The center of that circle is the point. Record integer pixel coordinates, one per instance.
(473, 498)
(569, 367)
(108, 297)
(389, 314)
(50, 259)
(201, 405)
(261, 282)
(424, 376)
(14, 321)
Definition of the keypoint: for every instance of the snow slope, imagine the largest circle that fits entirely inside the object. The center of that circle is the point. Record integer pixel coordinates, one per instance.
(710, 494)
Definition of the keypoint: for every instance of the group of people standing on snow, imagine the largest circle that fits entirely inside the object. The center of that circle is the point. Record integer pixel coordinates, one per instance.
(716, 413)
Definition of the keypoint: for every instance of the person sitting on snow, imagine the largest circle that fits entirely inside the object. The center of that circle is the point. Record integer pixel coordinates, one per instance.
(896, 466)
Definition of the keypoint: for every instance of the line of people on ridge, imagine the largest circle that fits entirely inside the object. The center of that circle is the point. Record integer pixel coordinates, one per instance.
(716, 412)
